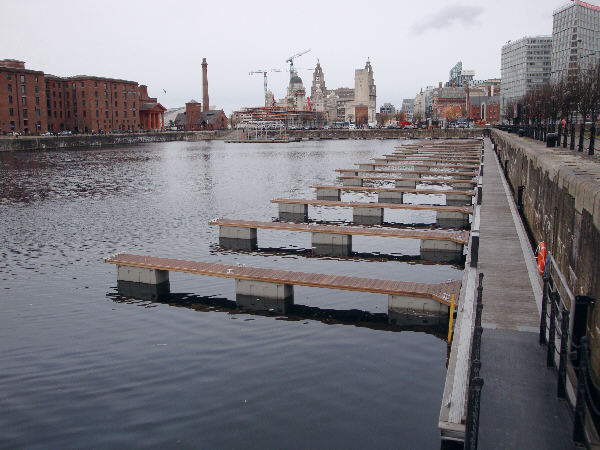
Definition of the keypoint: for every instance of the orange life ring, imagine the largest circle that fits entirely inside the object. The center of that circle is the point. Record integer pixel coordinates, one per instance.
(541, 257)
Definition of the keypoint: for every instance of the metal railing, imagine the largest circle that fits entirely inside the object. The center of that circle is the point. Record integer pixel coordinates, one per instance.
(587, 404)
(475, 381)
(564, 349)
(554, 322)
(581, 137)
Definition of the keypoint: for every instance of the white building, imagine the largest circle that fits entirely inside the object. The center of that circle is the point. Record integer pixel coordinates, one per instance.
(575, 38)
(525, 64)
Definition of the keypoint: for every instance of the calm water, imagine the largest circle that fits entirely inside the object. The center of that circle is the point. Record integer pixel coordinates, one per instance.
(81, 366)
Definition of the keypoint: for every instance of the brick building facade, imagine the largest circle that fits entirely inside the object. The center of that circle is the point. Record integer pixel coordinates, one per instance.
(22, 98)
(32, 103)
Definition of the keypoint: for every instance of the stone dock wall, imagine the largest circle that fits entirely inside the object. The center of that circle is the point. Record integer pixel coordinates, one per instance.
(384, 133)
(101, 140)
(561, 205)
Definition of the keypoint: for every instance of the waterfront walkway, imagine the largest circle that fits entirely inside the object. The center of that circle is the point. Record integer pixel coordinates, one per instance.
(519, 407)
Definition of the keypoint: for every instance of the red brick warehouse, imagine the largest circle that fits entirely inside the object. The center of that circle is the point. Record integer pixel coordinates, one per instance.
(32, 102)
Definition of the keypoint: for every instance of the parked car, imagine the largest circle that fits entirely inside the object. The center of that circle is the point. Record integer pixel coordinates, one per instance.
(64, 132)
(47, 133)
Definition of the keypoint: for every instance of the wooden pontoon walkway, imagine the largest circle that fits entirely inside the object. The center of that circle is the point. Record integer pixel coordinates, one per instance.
(418, 180)
(434, 156)
(441, 293)
(412, 159)
(419, 164)
(412, 172)
(297, 201)
(459, 237)
(403, 190)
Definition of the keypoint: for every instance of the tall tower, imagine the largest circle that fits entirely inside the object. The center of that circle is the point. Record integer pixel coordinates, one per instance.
(318, 91)
(205, 103)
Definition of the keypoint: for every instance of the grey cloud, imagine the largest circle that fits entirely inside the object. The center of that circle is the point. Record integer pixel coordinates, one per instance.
(448, 16)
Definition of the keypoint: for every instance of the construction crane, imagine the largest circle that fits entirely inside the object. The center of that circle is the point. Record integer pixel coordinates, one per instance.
(264, 72)
(291, 61)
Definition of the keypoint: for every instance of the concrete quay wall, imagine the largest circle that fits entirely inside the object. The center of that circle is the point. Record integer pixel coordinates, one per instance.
(561, 205)
(384, 133)
(100, 140)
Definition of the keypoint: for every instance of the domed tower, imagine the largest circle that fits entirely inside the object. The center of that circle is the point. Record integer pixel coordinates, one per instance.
(296, 96)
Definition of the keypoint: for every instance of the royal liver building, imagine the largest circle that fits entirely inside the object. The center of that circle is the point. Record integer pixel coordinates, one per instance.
(356, 105)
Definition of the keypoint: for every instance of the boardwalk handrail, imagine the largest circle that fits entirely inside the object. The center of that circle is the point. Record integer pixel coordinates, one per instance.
(298, 201)
(460, 237)
(440, 292)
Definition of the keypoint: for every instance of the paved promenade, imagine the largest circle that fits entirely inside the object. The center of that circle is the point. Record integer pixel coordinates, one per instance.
(519, 407)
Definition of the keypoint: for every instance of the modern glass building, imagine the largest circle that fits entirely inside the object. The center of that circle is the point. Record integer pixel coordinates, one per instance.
(575, 38)
(525, 64)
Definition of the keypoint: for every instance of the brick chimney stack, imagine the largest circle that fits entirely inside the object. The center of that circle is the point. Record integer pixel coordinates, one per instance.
(205, 103)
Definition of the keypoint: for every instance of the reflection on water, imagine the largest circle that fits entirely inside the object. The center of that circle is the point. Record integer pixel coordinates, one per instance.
(78, 370)
(354, 317)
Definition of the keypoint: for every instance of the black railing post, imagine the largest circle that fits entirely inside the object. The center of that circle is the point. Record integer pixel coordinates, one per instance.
(474, 250)
(551, 333)
(473, 408)
(566, 135)
(479, 194)
(579, 420)
(592, 138)
(572, 145)
(543, 318)
(562, 366)
(581, 137)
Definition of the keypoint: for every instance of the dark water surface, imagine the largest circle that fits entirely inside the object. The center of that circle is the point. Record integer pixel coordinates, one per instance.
(81, 366)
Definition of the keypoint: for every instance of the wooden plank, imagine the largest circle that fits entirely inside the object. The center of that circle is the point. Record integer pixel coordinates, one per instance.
(296, 201)
(436, 180)
(423, 164)
(419, 159)
(460, 237)
(405, 190)
(413, 172)
(439, 292)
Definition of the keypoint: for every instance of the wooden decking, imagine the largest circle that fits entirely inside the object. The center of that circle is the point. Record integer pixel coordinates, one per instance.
(413, 172)
(404, 190)
(427, 159)
(418, 180)
(296, 201)
(460, 237)
(439, 292)
(424, 164)
(434, 156)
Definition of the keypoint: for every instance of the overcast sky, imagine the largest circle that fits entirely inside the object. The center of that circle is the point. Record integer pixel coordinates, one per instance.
(161, 43)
